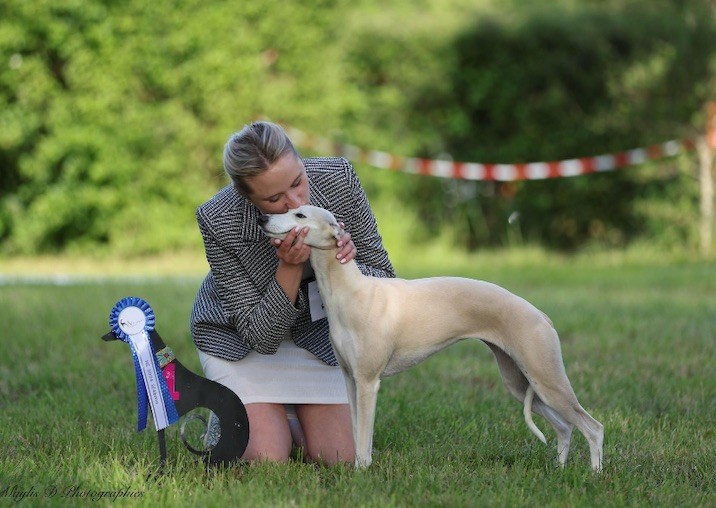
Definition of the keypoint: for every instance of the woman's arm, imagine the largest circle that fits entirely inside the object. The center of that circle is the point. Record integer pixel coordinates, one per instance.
(261, 315)
(292, 255)
(371, 257)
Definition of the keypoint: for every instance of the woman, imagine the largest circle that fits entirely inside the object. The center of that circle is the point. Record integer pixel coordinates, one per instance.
(251, 320)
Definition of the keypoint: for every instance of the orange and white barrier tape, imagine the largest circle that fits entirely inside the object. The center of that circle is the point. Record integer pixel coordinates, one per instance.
(488, 171)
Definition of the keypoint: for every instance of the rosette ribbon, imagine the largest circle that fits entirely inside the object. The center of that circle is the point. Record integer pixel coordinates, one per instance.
(131, 320)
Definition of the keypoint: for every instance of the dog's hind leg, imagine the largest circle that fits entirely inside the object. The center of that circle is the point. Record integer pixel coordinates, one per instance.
(561, 427)
(542, 364)
(517, 384)
(561, 399)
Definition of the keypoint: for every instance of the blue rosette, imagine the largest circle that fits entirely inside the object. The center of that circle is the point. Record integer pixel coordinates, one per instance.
(120, 330)
(132, 320)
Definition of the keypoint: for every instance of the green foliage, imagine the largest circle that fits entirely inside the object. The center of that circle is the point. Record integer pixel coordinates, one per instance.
(544, 82)
(114, 114)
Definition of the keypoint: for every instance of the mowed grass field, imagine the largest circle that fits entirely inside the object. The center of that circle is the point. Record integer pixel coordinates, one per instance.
(639, 345)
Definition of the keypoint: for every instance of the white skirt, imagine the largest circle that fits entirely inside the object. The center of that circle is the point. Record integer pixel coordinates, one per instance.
(291, 376)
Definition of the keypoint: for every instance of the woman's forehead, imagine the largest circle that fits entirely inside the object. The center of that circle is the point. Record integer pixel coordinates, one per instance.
(277, 178)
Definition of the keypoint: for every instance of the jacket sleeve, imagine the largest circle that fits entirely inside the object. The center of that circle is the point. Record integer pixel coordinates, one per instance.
(372, 258)
(262, 316)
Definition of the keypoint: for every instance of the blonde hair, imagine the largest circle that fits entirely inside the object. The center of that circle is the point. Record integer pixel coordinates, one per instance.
(253, 150)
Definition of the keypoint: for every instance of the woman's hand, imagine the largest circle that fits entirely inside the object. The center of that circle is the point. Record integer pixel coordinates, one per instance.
(346, 248)
(291, 249)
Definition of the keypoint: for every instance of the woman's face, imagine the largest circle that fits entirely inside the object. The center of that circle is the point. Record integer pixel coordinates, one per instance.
(281, 187)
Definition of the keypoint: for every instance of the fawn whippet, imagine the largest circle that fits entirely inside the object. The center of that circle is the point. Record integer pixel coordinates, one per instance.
(382, 326)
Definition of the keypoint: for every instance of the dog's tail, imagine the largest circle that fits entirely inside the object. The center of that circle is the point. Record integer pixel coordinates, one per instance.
(529, 396)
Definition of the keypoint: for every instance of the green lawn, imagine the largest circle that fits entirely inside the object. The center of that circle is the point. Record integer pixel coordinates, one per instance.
(639, 344)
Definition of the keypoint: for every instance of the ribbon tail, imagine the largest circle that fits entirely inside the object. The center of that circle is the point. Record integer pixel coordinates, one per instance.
(142, 399)
(155, 386)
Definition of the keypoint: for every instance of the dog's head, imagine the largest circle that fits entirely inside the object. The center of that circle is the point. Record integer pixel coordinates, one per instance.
(323, 228)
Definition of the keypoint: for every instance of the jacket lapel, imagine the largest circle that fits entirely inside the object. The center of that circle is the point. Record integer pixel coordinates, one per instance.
(252, 245)
(247, 219)
(317, 198)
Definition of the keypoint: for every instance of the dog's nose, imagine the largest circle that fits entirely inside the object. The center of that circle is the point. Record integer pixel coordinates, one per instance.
(263, 219)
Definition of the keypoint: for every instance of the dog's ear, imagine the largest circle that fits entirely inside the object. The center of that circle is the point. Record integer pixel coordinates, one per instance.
(338, 231)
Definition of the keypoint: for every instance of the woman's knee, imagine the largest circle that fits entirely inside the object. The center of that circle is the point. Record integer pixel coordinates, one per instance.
(331, 452)
(328, 431)
(269, 436)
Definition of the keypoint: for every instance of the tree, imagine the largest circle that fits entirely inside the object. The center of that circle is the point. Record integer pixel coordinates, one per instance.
(543, 82)
(114, 114)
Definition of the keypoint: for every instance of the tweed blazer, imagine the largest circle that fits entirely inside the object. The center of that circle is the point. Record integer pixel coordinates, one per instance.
(240, 306)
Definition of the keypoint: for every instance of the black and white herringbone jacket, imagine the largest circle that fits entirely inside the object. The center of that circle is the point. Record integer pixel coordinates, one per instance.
(240, 306)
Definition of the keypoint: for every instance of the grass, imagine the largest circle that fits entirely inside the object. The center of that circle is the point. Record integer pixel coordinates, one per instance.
(639, 344)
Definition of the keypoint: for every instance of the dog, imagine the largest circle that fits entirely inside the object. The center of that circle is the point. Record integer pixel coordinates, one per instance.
(383, 326)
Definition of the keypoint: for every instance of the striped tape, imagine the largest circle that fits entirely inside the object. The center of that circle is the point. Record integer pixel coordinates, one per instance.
(491, 172)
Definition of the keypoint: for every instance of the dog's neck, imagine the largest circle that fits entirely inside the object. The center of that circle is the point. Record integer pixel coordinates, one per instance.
(331, 273)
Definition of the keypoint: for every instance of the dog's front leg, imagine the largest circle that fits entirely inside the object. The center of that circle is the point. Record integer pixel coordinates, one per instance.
(366, 398)
(351, 390)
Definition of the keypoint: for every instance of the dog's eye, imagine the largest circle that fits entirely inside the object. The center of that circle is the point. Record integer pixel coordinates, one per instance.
(300, 216)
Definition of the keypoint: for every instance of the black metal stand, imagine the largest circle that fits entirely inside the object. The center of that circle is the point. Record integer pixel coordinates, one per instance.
(194, 391)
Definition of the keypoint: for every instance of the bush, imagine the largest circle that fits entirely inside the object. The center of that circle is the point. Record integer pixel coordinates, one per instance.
(545, 82)
(114, 115)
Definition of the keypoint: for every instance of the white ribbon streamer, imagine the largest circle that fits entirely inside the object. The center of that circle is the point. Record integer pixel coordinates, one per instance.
(140, 342)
